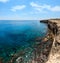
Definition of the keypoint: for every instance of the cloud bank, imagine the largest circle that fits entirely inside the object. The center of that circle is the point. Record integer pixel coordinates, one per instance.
(45, 7)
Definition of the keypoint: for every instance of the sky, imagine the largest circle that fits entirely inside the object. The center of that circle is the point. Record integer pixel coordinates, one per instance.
(29, 9)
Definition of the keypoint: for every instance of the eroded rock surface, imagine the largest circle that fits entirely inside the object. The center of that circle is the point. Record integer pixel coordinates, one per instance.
(54, 56)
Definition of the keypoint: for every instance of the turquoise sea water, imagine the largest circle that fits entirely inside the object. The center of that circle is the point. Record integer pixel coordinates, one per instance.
(16, 35)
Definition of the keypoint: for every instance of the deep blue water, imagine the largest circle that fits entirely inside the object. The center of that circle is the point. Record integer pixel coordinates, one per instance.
(15, 33)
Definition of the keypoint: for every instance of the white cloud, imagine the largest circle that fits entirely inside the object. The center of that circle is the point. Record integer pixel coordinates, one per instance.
(56, 8)
(34, 4)
(45, 7)
(18, 7)
(4, 1)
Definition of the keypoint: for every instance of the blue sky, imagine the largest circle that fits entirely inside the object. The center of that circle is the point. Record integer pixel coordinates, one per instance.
(29, 9)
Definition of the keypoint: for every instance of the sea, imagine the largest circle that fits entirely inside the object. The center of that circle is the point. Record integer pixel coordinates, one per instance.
(19, 35)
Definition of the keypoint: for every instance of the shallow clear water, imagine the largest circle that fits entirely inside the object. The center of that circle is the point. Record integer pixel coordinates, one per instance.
(18, 35)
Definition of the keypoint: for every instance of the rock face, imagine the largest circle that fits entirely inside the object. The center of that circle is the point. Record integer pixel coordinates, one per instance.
(44, 21)
(54, 27)
(51, 26)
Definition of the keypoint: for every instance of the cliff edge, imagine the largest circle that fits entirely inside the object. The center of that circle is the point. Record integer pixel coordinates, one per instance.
(54, 27)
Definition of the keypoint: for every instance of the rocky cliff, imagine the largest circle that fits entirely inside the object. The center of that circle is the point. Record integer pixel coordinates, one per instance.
(54, 28)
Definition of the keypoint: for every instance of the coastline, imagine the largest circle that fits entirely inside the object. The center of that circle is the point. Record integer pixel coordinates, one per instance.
(46, 49)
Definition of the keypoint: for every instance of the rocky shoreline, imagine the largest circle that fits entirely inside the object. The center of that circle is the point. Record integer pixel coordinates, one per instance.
(45, 50)
(41, 50)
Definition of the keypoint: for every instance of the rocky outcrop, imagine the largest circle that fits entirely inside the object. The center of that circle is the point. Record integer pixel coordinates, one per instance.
(44, 21)
(54, 28)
